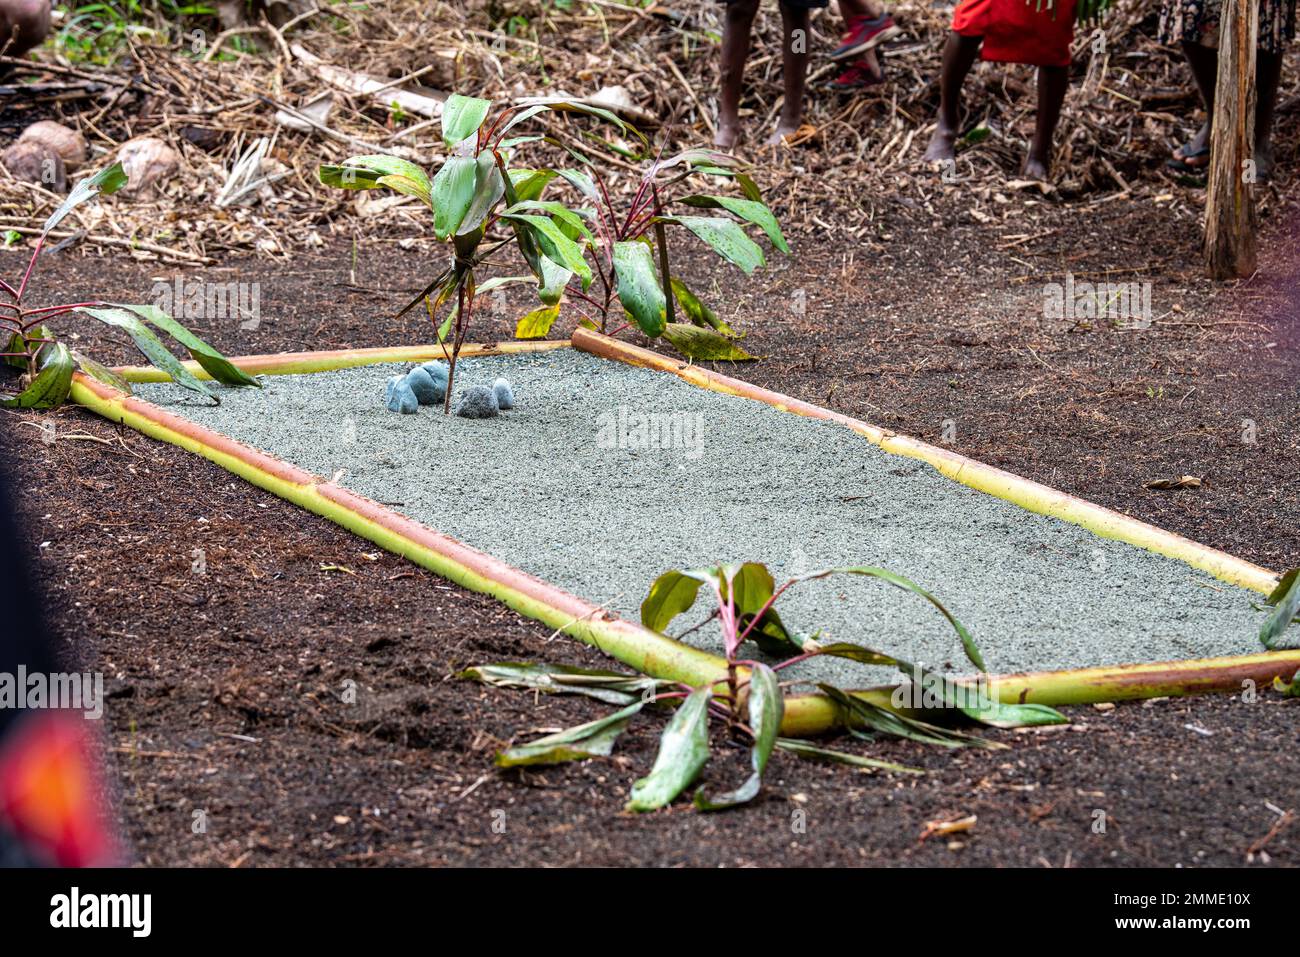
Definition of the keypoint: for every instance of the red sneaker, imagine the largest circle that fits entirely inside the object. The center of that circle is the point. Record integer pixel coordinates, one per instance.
(866, 35)
(858, 76)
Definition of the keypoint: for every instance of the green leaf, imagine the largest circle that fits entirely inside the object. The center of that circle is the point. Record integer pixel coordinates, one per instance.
(489, 187)
(213, 362)
(536, 324)
(672, 593)
(375, 171)
(727, 239)
(696, 311)
(17, 343)
(556, 246)
(595, 739)
(898, 581)
(858, 713)
(1286, 601)
(843, 649)
(50, 386)
(766, 708)
(461, 117)
(151, 346)
(683, 751)
(696, 342)
(976, 702)
(1288, 689)
(529, 183)
(554, 279)
(557, 210)
(101, 373)
(582, 182)
(748, 210)
(811, 752)
(521, 117)
(639, 289)
(612, 687)
(452, 193)
(108, 180)
(560, 104)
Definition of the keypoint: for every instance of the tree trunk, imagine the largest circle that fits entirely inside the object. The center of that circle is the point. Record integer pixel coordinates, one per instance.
(1230, 201)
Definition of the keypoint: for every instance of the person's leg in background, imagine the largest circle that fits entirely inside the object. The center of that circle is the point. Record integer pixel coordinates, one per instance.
(23, 24)
(737, 26)
(959, 55)
(1053, 81)
(794, 69)
(866, 27)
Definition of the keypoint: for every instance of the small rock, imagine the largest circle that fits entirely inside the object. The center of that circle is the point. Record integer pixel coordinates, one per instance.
(400, 398)
(34, 162)
(437, 370)
(428, 390)
(505, 395)
(477, 402)
(64, 140)
(148, 163)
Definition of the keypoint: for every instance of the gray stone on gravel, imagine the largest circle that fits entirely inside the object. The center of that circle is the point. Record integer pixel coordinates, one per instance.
(505, 394)
(610, 475)
(398, 396)
(428, 391)
(477, 402)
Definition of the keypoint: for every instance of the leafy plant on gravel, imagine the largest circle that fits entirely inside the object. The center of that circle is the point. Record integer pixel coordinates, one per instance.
(750, 704)
(1285, 601)
(48, 364)
(623, 250)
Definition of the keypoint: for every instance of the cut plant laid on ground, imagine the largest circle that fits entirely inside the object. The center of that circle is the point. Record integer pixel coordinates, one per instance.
(569, 249)
(48, 364)
(750, 705)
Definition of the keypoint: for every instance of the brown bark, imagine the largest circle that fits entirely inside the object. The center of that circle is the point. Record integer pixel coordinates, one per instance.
(1230, 250)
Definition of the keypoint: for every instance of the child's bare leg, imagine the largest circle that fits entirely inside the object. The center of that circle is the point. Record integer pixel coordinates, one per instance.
(794, 71)
(736, 29)
(959, 55)
(1052, 84)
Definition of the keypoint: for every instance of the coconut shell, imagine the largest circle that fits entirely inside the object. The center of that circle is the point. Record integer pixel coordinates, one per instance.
(34, 162)
(64, 140)
(149, 163)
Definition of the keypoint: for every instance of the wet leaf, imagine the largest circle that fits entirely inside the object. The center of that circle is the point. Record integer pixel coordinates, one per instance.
(612, 687)
(857, 712)
(151, 346)
(683, 751)
(639, 289)
(697, 311)
(812, 752)
(1286, 601)
(461, 117)
(451, 194)
(748, 210)
(727, 239)
(696, 342)
(52, 382)
(375, 171)
(101, 373)
(106, 181)
(213, 362)
(766, 708)
(595, 739)
(536, 324)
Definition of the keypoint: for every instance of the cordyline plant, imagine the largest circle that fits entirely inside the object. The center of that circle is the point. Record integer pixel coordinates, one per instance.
(750, 704)
(568, 250)
(48, 364)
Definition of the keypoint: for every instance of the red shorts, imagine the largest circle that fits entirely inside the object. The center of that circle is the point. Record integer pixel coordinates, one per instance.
(1017, 32)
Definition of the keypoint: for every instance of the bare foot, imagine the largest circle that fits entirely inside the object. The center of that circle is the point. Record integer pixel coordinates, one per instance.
(1036, 167)
(727, 134)
(783, 129)
(943, 145)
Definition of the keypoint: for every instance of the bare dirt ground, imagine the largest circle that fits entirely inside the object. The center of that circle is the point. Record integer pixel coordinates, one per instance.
(227, 687)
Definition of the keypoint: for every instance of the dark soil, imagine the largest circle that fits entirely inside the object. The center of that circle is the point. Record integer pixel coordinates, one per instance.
(229, 687)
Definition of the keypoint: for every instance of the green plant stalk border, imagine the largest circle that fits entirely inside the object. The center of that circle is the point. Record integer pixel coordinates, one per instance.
(646, 651)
